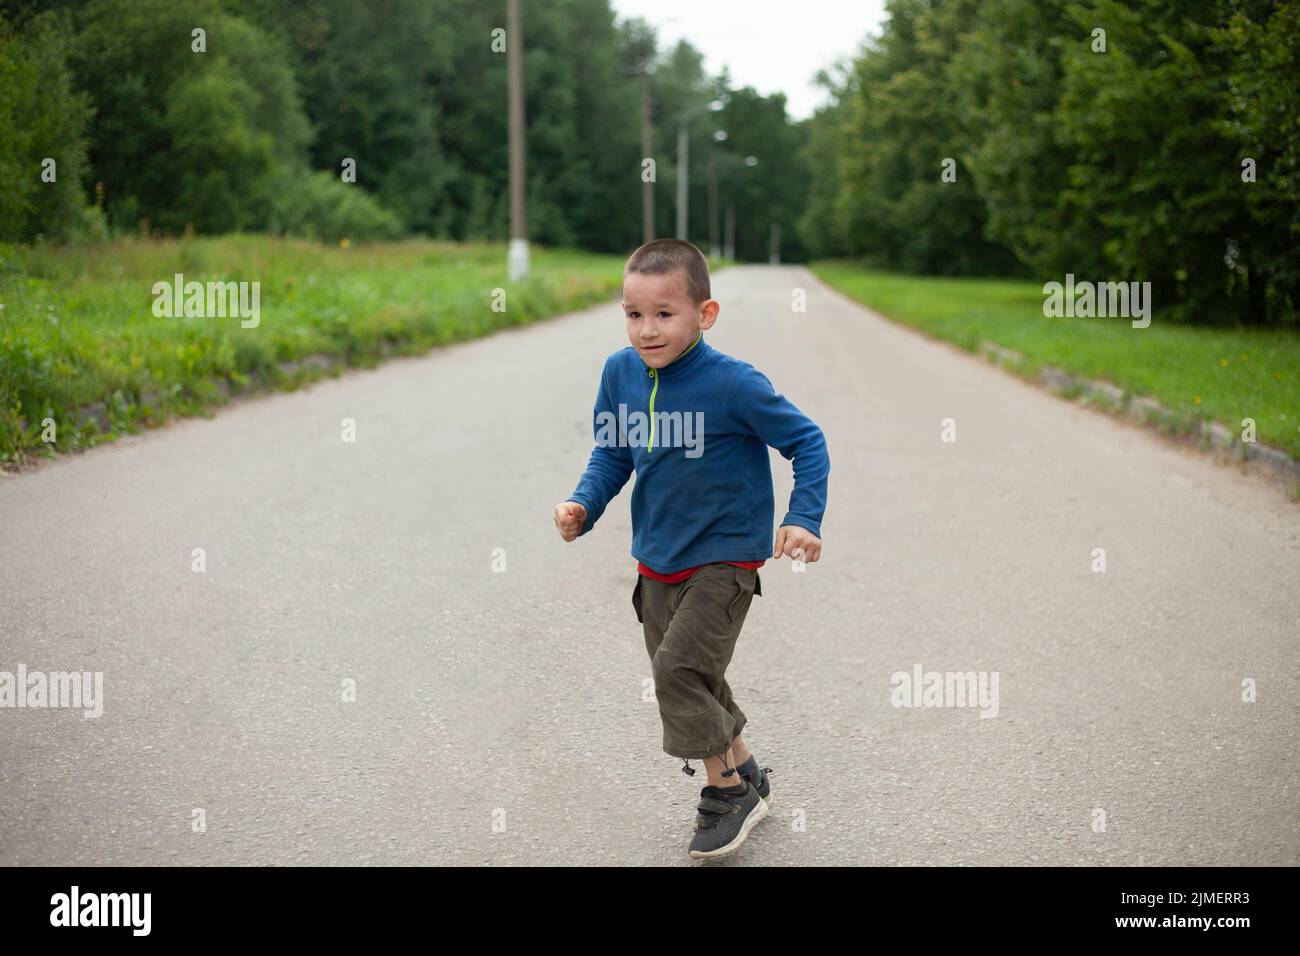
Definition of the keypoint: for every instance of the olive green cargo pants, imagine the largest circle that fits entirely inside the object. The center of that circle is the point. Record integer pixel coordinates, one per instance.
(690, 633)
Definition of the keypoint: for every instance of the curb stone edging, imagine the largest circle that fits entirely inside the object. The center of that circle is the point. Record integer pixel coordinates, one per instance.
(321, 362)
(1148, 411)
(311, 368)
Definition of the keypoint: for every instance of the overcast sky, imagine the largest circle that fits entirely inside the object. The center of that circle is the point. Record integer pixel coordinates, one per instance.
(771, 45)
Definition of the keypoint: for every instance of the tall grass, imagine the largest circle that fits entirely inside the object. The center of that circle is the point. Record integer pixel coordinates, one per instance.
(77, 328)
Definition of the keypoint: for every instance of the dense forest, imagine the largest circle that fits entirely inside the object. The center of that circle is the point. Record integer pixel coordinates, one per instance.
(1150, 140)
(254, 132)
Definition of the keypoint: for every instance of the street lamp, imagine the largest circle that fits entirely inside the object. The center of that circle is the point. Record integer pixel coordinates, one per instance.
(641, 48)
(683, 159)
(719, 136)
(750, 161)
(517, 259)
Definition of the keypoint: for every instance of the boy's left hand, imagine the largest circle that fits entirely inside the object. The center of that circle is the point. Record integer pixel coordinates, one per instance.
(800, 543)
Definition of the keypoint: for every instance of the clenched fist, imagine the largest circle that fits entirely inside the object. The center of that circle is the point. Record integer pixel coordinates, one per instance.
(800, 543)
(569, 519)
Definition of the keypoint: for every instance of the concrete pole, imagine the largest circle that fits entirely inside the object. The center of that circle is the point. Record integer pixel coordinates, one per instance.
(714, 251)
(647, 151)
(517, 260)
(683, 176)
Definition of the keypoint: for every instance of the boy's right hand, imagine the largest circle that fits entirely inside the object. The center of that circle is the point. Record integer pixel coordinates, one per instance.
(569, 518)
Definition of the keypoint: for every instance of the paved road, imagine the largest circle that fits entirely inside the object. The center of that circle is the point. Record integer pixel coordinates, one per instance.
(480, 693)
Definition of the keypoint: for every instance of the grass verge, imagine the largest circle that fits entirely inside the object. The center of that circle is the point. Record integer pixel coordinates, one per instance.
(78, 330)
(1199, 374)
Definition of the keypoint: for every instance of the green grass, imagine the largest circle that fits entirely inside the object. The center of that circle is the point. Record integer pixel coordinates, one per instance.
(1207, 374)
(77, 326)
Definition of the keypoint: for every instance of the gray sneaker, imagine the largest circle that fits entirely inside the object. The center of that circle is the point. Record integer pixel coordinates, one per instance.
(757, 777)
(724, 820)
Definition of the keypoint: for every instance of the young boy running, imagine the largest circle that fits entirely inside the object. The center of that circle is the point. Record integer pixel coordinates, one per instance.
(695, 424)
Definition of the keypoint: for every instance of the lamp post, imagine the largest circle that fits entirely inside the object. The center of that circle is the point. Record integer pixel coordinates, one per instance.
(647, 151)
(683, 161)
(719, 136)
(641, 51)
(730, 253)
(517, 257)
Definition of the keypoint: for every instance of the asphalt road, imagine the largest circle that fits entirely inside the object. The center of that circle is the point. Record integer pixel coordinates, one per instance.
(500, 716)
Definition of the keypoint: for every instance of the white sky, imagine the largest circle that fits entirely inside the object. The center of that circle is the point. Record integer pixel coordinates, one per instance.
(771, 45)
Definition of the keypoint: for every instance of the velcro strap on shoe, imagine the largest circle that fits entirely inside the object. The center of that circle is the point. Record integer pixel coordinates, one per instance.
(715, 805)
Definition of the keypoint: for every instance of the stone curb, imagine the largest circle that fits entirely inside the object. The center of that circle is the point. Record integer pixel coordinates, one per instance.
(1148, 411)
(324, 363)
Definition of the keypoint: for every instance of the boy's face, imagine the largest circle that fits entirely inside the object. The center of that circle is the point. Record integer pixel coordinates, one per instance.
(662, 321)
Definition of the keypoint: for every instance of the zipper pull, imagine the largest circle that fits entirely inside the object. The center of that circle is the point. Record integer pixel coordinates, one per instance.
(654, 375)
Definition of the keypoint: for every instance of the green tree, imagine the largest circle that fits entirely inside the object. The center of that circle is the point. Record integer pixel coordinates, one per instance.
(822, 229)
(903, 132)
(368, 76)
(770, 192)
(1263, 40)
(1007, 78)
(1153, 180)
(42, 116)
(223, 163)
(153, 149)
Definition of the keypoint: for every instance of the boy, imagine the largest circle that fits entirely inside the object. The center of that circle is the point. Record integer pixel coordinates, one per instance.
(695, 424)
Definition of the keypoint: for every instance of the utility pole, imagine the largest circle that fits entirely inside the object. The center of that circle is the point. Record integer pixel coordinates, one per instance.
(730, 242)
(718, 137)
(684, 163)
(517, 264)
(640, 51)
(683, 172)
(647, 151)
(774, 247)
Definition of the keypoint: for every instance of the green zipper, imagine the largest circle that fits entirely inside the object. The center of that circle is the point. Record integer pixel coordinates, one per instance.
(652, 411)
(654, 375)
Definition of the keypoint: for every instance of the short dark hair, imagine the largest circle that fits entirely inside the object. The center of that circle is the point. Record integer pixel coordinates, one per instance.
(662, 256)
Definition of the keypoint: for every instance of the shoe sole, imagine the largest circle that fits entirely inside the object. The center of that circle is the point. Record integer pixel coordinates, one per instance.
(759, 812)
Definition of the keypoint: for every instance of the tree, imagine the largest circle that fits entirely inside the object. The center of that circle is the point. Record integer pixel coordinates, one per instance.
(904, 198)
(151, 145)
(1007, 79)
(1263, 40)
(43, 118)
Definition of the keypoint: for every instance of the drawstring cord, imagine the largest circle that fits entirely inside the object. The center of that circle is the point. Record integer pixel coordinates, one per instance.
(726, 771)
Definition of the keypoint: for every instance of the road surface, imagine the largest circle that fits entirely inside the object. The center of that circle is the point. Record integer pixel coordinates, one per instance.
(500, 716)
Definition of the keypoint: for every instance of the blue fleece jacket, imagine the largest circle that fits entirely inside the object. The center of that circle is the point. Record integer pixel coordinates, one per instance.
(697, 432)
